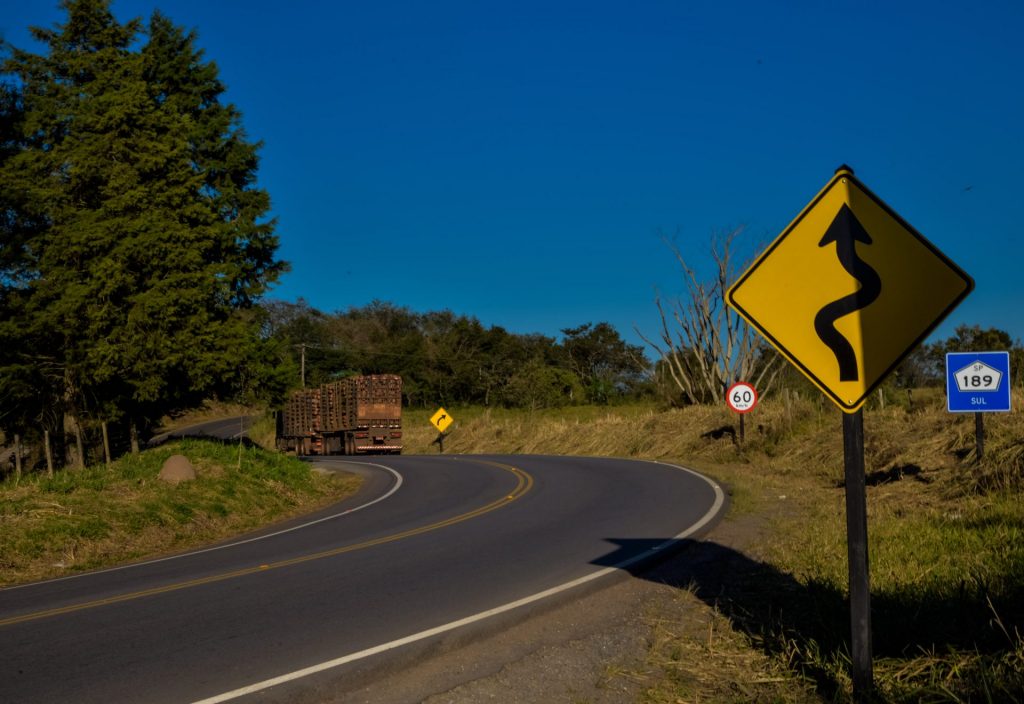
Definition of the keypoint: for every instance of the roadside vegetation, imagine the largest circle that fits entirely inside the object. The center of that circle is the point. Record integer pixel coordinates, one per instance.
(98, 516)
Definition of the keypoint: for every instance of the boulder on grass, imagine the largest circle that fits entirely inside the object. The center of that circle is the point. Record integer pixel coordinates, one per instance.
(177, 469)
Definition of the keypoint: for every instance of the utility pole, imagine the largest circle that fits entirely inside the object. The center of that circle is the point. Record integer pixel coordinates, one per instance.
(302, 360)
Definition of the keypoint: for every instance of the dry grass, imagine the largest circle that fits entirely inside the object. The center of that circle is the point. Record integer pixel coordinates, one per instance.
(799, 435)
(699, 657)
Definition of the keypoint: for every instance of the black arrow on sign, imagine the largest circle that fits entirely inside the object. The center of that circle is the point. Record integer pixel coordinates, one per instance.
(441, 419)
(845, 231)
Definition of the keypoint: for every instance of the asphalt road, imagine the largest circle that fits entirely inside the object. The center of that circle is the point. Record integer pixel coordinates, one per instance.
(432, 548)
(222, 429)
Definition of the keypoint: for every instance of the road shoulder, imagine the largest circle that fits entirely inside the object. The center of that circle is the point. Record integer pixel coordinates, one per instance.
(595, 648)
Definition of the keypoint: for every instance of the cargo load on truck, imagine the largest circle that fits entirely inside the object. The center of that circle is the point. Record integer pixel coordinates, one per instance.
(355, 415)
(298, 423)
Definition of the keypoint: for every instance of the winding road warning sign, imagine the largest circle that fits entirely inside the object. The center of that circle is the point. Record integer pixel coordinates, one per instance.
(848, 290)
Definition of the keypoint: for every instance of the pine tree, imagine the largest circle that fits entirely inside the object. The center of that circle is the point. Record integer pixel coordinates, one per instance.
(154, 240)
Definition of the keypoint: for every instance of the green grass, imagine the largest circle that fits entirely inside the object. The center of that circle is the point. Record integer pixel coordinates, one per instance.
(96, 517)
(947, 578)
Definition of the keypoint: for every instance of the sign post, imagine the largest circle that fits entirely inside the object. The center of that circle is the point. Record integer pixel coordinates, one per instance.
(978, 382)
(845, 293)
(741, 397)
(857, 555)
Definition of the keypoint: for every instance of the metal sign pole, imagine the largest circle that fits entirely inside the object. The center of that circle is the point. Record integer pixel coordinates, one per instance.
(857, 547)
(979, 436)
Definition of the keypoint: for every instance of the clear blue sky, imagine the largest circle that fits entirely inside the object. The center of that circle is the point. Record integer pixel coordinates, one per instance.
(520, 161)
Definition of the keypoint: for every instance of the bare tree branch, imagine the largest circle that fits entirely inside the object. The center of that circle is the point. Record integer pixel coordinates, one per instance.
(711, 346)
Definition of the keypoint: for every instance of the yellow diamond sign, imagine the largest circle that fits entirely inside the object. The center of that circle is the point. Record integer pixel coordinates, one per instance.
(441, 420)
(848, 290)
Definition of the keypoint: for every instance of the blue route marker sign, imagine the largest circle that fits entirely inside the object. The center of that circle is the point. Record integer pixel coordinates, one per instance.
(977, 382)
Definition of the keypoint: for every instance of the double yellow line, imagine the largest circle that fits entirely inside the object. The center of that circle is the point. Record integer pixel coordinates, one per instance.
(523, 484)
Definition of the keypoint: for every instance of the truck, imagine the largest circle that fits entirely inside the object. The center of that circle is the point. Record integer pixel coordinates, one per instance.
(356, 415)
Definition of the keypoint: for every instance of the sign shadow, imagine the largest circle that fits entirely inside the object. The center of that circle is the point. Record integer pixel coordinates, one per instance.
(776, 611)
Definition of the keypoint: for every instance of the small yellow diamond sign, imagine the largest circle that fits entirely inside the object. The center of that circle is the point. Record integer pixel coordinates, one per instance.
(848, 290)
(441, 420)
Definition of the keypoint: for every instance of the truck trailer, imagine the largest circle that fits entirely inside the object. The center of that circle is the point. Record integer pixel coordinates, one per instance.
(353, 416)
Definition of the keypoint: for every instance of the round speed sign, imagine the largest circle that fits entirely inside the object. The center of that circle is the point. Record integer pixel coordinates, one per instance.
(741, 397)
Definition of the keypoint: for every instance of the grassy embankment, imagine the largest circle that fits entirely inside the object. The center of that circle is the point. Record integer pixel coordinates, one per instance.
(946, 548)
(96, 517)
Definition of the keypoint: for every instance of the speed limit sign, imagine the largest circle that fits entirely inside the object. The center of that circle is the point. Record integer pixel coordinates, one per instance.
(741, 397)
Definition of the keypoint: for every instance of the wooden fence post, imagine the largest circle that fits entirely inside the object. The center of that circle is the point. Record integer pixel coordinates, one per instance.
(17, 459)
(106, 444)
(49, 454)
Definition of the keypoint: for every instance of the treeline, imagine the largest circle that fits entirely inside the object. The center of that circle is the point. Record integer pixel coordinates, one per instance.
(926, 365)
(445, 358)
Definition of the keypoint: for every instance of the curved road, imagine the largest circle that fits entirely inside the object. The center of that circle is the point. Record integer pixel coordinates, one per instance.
(432, 546)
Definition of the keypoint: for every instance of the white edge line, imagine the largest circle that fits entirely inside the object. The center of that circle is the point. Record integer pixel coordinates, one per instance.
(438, 630)
(389, 493)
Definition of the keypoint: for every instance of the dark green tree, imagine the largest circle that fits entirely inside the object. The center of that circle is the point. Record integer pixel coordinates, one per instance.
(972, 338)
(537, 385)
(151, 240)
(606, 365)
(926, 365)
(305, 336)
(503, 356)
(21, 389)
(75, 102)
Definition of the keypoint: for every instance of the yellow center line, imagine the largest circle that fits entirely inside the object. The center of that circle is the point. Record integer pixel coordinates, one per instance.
(523, 485)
